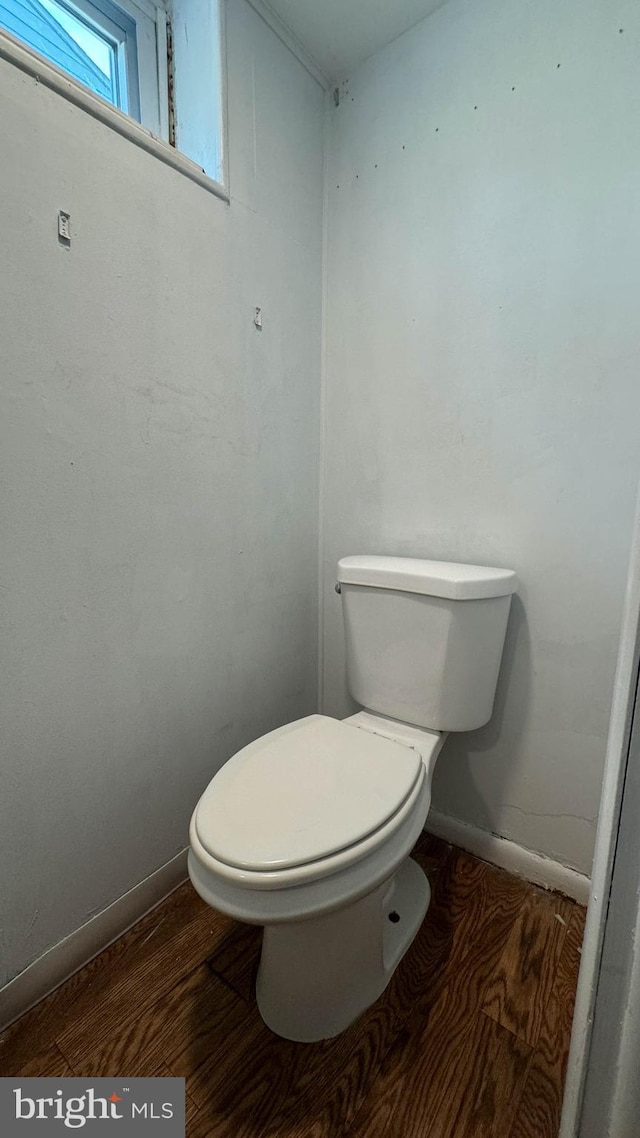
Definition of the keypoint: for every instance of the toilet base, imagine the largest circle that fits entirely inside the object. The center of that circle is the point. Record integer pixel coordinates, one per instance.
(317, 976)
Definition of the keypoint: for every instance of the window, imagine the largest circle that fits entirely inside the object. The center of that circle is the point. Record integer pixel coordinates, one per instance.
(111, 49)
(119, 52)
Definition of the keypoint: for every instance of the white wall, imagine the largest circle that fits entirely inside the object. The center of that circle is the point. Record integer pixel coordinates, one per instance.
(159, 579)
(483, 347)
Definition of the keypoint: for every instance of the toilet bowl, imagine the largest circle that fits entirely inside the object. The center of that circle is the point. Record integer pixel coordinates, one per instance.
(307, 831)
(344, 901)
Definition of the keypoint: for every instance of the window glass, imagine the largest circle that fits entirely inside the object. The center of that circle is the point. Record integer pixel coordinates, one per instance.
(101, 53)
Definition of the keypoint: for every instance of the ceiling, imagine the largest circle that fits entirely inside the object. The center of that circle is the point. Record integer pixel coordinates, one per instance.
(340, 34)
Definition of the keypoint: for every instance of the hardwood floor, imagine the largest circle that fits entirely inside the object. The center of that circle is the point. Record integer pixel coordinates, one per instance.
(470, 1040)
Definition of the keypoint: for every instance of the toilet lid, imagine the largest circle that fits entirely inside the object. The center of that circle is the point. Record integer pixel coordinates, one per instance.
(304, 792)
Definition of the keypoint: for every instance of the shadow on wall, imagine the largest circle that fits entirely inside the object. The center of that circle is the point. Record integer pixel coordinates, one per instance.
(454, 774)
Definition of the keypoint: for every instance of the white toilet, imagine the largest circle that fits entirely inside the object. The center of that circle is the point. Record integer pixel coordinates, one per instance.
(307, 831)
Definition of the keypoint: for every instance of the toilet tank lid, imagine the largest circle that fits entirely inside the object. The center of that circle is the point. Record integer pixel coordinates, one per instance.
(431, 578)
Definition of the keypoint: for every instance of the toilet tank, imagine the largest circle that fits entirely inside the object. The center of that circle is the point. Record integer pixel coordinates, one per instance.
(424, 639)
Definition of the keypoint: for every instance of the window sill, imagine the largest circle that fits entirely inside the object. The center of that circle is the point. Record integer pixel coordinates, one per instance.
(32, 64)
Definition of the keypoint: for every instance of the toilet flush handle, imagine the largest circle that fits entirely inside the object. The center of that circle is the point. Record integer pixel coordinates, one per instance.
(338, 587)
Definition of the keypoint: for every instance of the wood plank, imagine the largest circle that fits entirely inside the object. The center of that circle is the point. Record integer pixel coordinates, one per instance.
(134, 952)
(49, 1063)
(519, 990)
(199, 1005)
(541, 1102)
(236, 959)
(430, 852)
(483, 1087)
(190, 1108)
(142, 978)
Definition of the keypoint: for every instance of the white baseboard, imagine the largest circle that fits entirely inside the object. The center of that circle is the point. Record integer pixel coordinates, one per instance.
(507, 855)
(57, 964)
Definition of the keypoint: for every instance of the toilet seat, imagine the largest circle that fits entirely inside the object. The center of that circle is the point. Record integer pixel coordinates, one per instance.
(304, 802)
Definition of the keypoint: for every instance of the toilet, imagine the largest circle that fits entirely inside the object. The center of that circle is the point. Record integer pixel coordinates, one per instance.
(307, 831)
